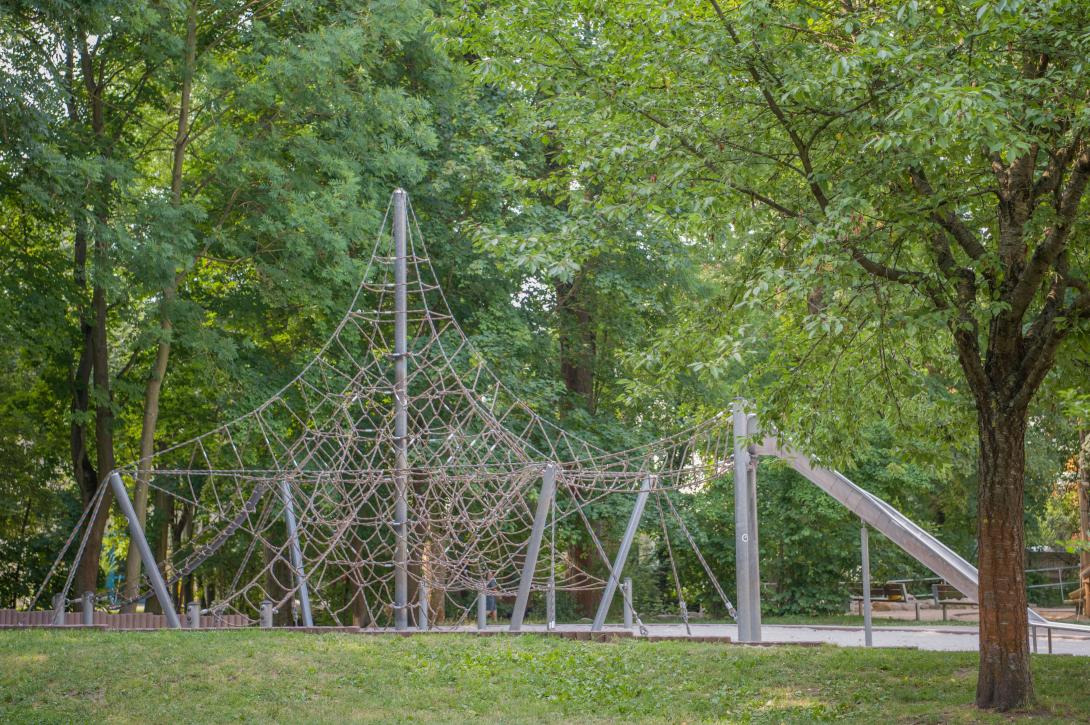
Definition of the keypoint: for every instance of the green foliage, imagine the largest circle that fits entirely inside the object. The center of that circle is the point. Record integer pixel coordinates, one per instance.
(564, 159)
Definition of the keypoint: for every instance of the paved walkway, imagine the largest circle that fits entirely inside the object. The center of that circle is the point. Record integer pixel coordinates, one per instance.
(949, 639)
(938, 638)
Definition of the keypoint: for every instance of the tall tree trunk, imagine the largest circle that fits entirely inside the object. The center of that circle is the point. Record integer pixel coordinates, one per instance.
(164, 515)
(1005, 680)
(586, 600)
(154, 385)
(578, 339)
(82, 466)
(87, 573)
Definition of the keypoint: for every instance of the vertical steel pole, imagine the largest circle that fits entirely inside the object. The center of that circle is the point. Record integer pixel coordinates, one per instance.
(622, 554)
(401, 412)
(87, 608)
(136, 536)
(482, 609)
(754, 549)
(626, 592)
(741, 521)
(296, 552)
(529, 566)
(266, 614)
(864, 545)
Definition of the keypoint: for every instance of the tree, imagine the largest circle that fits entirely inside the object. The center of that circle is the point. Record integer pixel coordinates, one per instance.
(212, 171)
(926, 161)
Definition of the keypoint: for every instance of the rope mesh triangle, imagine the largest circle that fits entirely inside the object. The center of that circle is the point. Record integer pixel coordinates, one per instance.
(475, 460)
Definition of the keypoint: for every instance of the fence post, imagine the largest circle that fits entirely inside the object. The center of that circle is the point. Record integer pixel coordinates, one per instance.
(87, 608)
(193, 614)
(58, 609)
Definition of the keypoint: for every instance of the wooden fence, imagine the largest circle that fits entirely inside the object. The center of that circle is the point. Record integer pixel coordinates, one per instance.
(138, 620)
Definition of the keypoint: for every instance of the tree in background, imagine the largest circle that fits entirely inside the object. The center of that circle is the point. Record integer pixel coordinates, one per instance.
(917, 166)
(205, 177)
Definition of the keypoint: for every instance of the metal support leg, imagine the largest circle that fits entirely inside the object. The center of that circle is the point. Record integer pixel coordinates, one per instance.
(482, 610)
(87, 608)
(529, 566)
(296, 552)
(401, 413)
(626, 593)
(864, 544)
(622, 554)
(193, 614)
(136, 536)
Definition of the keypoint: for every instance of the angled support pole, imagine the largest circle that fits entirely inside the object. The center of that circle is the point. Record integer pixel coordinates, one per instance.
(401, 413)
(296, 552)
(529, 566)
(136, 534)
(622, 554)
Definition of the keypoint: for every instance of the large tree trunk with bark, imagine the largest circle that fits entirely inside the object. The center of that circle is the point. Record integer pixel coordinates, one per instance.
(578, 339)
(1004, 680)
(154, 385)
(87, 575)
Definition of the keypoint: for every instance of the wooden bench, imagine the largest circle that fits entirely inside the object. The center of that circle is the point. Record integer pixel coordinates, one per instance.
(1075, 598)
(888, 592)
(945, 595)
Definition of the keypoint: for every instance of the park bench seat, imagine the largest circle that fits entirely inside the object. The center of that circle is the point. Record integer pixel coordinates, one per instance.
(1075, 597)
(946, 594)
(888, 592)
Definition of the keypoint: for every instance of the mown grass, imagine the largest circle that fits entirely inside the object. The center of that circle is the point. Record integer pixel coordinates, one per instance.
(255, 676)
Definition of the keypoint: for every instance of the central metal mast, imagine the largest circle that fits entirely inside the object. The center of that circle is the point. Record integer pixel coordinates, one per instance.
(401, 412)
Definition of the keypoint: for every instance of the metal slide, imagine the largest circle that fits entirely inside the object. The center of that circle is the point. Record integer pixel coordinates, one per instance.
(919, 544)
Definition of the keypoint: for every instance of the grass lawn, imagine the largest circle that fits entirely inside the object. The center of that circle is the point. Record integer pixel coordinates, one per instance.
(50, 676)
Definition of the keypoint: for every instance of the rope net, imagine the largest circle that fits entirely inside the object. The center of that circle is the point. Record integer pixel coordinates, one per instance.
(324, 446)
